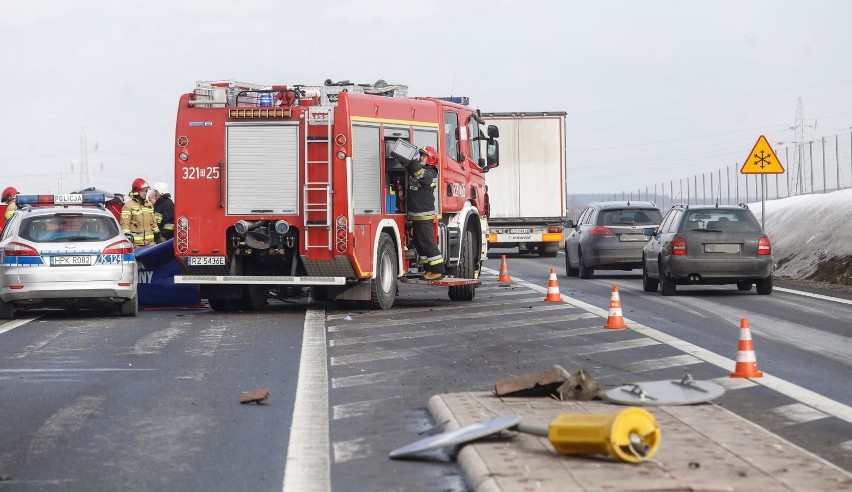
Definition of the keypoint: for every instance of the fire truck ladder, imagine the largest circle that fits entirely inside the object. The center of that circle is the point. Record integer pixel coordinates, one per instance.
(318, 116)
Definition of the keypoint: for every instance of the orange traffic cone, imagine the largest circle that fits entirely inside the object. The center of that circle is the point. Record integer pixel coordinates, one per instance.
(615, 321)
(504, 272)
(553, 294)
(746, 358)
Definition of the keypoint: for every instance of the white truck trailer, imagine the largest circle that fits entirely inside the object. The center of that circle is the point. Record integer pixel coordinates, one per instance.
(527, 191)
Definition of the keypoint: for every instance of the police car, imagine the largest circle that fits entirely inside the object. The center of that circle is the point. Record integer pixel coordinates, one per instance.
(65, 251)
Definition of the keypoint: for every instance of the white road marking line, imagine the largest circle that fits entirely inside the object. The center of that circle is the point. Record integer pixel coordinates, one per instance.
(11, 325)
(450, 317)
(797, 413)
(62, 424)
(405, 311)
(730, 383)
(359, 408)
(90, 369)
(349, 450)
(153, 343)
(450, 331)
(846, 446)
(796, 392)
(661, 363)
(308, 466)
(811, 294)
(41, 343)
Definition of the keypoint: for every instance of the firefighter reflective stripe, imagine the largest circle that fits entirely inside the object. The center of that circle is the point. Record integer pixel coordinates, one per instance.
(141, 237)
(433, 260)
(158, 217)
(422, 215)
(169, 227)
(10, 209)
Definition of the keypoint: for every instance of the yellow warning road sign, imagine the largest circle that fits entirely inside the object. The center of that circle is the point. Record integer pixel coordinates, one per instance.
(762, 159)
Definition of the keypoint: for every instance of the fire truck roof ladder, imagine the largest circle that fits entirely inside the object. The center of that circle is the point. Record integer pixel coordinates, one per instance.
(318, 177)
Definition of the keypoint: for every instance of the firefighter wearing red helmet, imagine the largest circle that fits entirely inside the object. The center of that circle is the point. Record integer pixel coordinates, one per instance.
(137, 216)
(8, 197)
(421, 211)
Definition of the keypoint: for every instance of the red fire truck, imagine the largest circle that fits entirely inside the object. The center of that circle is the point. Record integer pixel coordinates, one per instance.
(285, 186)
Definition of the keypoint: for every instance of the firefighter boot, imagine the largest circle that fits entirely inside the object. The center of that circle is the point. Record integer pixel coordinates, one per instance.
(433, 276)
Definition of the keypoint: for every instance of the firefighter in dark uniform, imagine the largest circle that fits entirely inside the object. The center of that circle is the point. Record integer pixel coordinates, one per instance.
(421, 211)
(164, 210)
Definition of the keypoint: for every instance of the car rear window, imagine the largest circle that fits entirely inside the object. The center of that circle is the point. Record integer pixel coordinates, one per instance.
(65, 228)
(721, 220)
(631, 216)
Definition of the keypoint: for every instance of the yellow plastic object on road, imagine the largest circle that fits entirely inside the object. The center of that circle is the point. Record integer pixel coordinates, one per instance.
(630, 435)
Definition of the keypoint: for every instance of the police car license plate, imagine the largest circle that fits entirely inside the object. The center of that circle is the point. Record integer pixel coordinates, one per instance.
(205, 260)
(71, 260)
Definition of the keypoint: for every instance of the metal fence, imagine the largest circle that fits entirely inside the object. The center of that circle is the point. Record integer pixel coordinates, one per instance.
(816, 166)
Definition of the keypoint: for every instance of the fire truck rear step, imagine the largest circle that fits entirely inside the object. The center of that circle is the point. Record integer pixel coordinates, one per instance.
(258, 280)
(444, 282)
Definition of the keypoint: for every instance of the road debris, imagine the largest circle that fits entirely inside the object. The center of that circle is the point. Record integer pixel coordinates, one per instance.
(258, 396)
(555, 382)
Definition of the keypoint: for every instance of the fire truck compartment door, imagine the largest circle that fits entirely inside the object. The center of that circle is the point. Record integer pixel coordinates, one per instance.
(258, 280)
(366, 170)
(262, 169)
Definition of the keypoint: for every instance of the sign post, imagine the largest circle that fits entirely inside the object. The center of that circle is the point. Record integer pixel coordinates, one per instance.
(762, 160)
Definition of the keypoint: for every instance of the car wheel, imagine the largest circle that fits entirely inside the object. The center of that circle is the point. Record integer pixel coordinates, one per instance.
(383, 287)
(465, 269)
(667, 285)
(584, 271)
(764, 287)
(744, 286)
(7, 310)
(129, 307)
(569, 271)
(648, 284)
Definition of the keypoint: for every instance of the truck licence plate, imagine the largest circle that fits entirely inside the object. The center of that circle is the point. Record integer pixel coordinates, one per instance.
(205, 260)
(74, 260)
(519, 231)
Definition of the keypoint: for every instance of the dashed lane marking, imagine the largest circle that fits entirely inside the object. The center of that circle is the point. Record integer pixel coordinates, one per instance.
(11, 325)
(360, 408)
(815, 296)
(797, 413)
(62, 425)
(796, 392)
(349, 450)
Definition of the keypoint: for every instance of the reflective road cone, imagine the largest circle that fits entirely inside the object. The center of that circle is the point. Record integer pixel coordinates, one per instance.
(746, 358)
(504, 272)
(616, 318)
(553, 294)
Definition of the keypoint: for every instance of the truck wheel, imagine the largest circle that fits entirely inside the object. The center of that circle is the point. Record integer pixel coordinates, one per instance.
(545, 253)
(223, 305)
(254, 297)
(129, 307)
(585, 272)
(465, 269)
(764, 287)
(7, 310)
(648, 284)
(319, 293)
(383, 287)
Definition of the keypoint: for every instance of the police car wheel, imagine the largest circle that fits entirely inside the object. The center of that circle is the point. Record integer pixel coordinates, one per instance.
(129, 307)
(7, 310)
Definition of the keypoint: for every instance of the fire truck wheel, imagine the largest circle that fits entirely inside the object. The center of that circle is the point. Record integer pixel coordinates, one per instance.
(465, 269)
(383, 287)
(221, 304)
(254, 297)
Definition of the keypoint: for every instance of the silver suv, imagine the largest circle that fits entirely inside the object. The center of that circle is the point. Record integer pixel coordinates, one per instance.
(705, 244)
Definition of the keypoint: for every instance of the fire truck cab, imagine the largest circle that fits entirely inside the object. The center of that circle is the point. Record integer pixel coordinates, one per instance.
(288, 186)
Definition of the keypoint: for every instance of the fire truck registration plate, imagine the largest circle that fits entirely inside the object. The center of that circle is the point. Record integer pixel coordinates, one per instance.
(205, 260)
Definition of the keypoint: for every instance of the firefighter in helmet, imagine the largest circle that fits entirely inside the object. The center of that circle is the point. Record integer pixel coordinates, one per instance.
(421, 211)
(137, 216)
(8, 198)
(164, 210)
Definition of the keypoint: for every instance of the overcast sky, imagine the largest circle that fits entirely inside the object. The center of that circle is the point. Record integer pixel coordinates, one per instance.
(654, 90)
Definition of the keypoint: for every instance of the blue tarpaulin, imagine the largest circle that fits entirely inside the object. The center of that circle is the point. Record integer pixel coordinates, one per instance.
(157, 269)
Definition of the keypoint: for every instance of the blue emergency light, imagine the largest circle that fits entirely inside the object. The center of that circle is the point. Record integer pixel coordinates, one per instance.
(65, 199)
(463, 100)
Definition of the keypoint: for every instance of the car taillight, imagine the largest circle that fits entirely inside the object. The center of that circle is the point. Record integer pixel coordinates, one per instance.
(764, 247)
(19, 249)
(119, 248)
(555, 229)
(601, 231)
(678, 246)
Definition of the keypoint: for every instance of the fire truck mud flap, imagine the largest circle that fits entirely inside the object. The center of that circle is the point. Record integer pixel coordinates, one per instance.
(444, 282)
(258, 280)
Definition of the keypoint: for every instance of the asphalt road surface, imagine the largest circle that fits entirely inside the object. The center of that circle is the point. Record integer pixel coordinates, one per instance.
(89, 402)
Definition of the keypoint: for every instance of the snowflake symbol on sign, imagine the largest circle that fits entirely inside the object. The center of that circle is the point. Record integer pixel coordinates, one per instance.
(762, 160)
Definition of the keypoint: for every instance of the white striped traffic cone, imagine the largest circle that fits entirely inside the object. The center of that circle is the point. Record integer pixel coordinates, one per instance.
(746, 358)
(615, 321)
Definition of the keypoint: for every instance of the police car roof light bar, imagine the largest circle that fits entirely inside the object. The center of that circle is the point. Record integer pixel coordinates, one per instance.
(66, 199)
